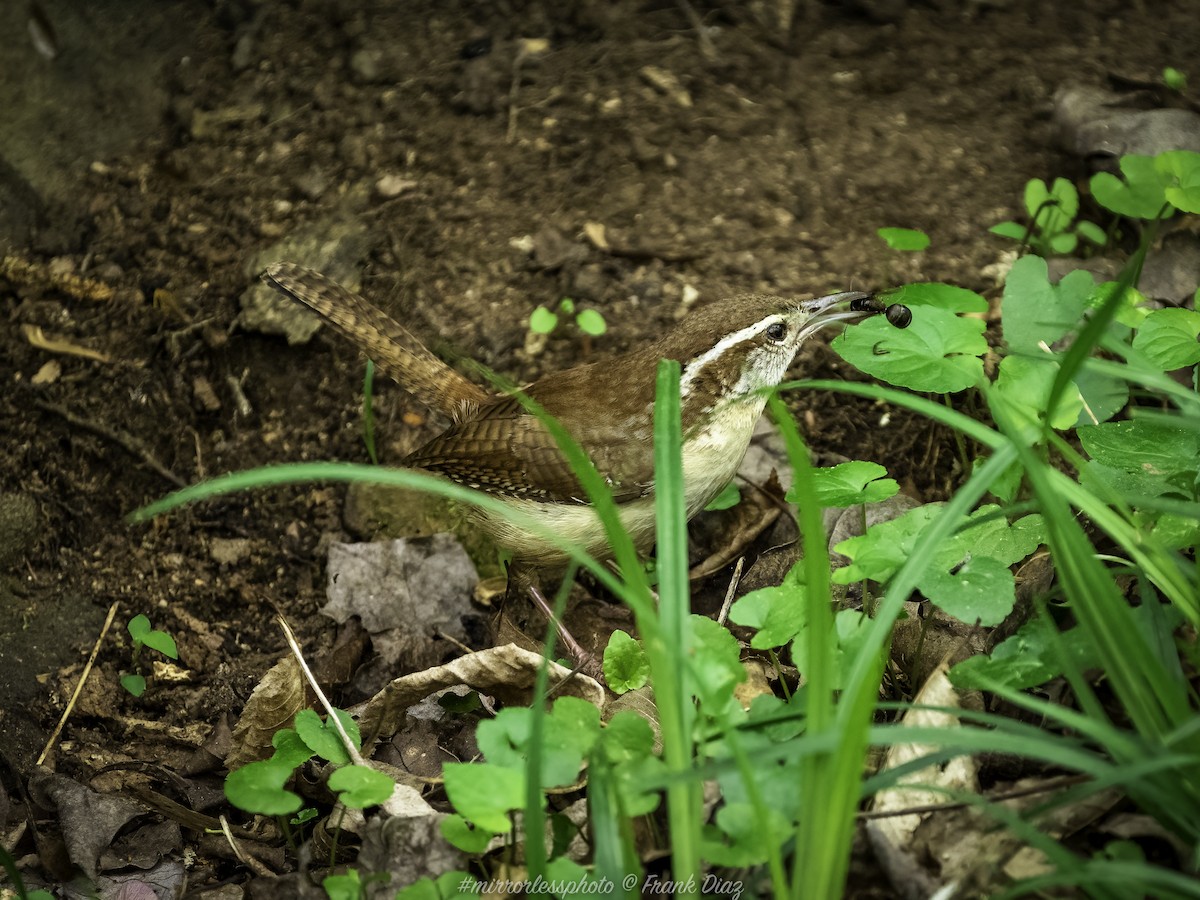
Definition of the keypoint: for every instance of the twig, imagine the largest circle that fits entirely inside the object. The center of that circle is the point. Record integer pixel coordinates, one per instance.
(126, 442)
(290, 637)
(87, 670)
(733, 583)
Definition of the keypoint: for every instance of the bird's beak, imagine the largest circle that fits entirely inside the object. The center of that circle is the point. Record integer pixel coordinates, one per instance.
(852, 307)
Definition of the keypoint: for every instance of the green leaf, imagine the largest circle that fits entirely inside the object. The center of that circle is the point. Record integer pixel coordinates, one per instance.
(1181, 169)
(1051, 210)
(985, 536)
(591, 322)
(323, 738)
(907, 239)
(542, 321)
(718, 664)
(162, 642)
(1063, 244)
(570, 729)
(484, 793)
(567, 305)
(1140, 196)
(627, 743)
(1023, 386)
(1131, 311)
(850, 630)
(938, 352)
(1103, 396)
(290, 749)
(942, 296)
(1143, 447)
(981, 590)
(1013, 230)
(447, 886)
(343, 887)
(258, 788)
(851, 483)
(625, 665)
(1028, 658)
(1168, 337)
(1174, 79)
(626, 736)
(138, 626)
(361, 786)
(737, 837)
(1092, 232)
(777, 612)
(305, 815)
(730, 496)
(1034, 311)
(464, 835)
(135, 684)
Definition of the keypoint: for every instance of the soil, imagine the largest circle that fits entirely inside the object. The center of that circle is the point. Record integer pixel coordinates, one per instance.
(148, 166)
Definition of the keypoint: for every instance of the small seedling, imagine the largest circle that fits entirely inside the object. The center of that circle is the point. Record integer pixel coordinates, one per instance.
(588, 321)
(145, 636)
(1052, 228)
(907, 240)
(1174, 79)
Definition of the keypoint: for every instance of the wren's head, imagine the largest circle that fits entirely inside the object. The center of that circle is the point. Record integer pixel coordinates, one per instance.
(732, 350)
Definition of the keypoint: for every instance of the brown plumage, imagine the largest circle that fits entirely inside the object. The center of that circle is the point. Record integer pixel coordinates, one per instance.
(728, 351)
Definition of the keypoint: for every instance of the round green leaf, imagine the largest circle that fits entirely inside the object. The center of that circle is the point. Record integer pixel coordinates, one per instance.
(1034, 311)
(1181, 169)
(258, 788)
(1168, 337)
(938, 352)
(1140, 196)
(907, 239)
(135, 684)
(625, 665)
(851, 483)
(1174, 79)
(361, 786)
(542, 321)
(591, 322)
(980, 590)
(323, 738)
(465, 836)
(485, 794)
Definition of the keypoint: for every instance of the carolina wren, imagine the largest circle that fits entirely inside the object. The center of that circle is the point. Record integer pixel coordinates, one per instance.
(727, 352)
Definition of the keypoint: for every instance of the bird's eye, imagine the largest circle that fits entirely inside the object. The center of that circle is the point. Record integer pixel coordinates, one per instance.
(776, 332)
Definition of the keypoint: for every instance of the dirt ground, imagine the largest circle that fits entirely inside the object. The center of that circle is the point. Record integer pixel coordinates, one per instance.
(455, 161)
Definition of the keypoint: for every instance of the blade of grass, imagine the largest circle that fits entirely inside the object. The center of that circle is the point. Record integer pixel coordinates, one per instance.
(668, 649)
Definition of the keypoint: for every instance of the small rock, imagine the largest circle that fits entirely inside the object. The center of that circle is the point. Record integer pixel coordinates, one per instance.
(666, 83)
(49, 373)
(228, 551)
(391, 186)
(202, 390)
(1092, 121)
(332, 246)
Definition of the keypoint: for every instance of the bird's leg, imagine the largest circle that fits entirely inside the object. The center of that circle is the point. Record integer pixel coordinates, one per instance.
(524, 587)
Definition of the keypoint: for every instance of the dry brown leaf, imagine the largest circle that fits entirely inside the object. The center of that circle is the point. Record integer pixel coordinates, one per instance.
(506, 672)
(272, 705)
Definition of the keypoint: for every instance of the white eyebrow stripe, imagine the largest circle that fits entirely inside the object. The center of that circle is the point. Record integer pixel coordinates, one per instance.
(730, 340)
